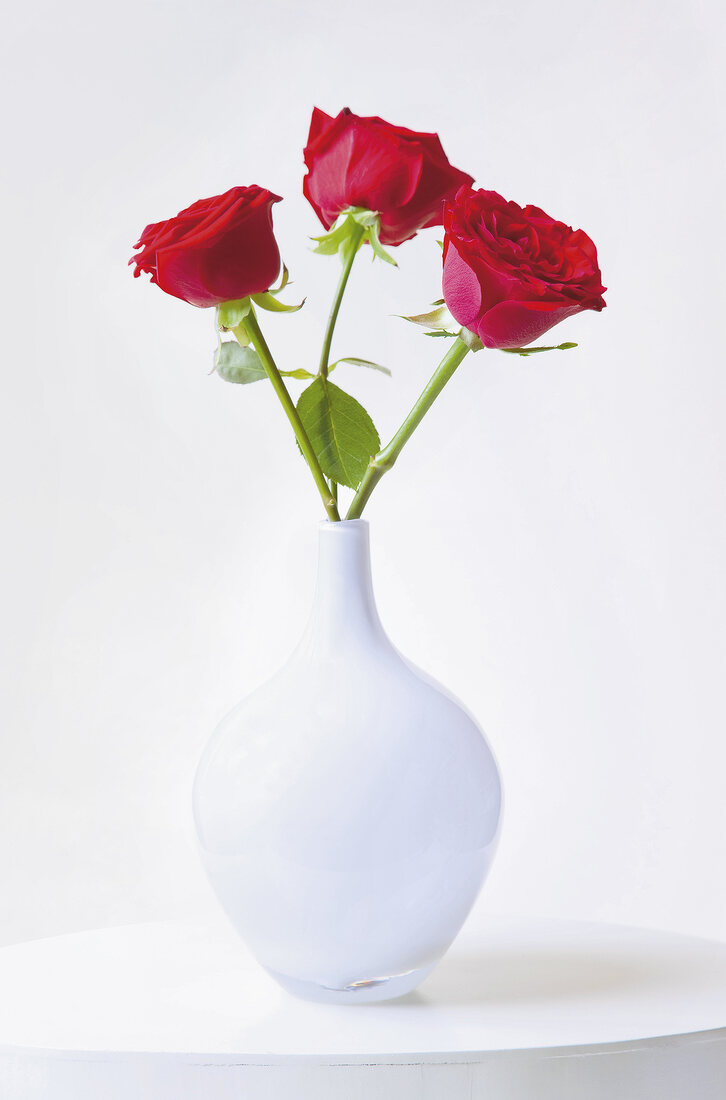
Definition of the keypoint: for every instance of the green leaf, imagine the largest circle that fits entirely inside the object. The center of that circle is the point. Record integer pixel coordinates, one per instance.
(361, 363)
(340, 430)
(236, 364)
(535, 351)
(231, 314)
(441, 332)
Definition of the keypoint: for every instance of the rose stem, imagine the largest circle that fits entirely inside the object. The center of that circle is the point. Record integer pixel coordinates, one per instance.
(385, 458)
(260, 344)
(354, 242)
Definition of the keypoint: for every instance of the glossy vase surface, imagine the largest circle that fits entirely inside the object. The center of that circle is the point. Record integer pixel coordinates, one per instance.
(348, 810)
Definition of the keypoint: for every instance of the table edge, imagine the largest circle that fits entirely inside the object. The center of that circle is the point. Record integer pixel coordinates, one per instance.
(229, 1059)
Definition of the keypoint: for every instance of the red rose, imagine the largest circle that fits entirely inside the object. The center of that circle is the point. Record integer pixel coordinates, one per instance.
(216, 250)
(399, 174)
(511, 273)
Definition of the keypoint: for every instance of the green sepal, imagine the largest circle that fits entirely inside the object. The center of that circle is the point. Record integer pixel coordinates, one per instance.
(363, 216)
(375, 243)
(471, 340)
(438, 319)
(303, 375)
(241, 334)
(343, 235)
(535, 351)
(284, 280)
(341, 431)
(360, 363)
(237, 364)
(270, 303)
(230, 314)
(334, 240)
(442, 332)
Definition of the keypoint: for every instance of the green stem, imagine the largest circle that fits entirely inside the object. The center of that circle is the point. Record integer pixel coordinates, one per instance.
(355, 239)
(385, 459)
(260, 344)
(354, 242)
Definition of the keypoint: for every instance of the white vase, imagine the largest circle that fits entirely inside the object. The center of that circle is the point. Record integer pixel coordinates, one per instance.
(348, 810)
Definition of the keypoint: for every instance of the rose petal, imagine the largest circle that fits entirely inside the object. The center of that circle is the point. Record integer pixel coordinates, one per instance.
(401, 175)
(462, 290)
(515, 324)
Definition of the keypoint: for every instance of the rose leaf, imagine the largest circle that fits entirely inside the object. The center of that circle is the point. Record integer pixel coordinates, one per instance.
(341, 431)
(236, 364)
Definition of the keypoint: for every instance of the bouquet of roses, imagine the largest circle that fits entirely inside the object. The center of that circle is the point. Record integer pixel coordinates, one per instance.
(510, 273)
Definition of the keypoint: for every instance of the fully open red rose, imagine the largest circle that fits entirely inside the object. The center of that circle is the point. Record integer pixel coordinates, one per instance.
(216, 250)
(512, 273)
(401, 175)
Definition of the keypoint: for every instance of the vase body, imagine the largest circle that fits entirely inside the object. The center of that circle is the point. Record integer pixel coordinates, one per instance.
(347, 811)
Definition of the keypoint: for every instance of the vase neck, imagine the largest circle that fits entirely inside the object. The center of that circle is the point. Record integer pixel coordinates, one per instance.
(344, 608)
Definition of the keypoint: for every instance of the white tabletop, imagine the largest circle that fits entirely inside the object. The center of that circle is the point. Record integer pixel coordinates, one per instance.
(160, 1004)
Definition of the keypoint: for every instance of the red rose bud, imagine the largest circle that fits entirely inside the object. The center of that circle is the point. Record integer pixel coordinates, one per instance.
(401, 175)
(216, 250)
(511, 273)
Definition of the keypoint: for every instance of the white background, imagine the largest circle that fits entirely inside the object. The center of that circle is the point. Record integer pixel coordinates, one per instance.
(551, 545)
